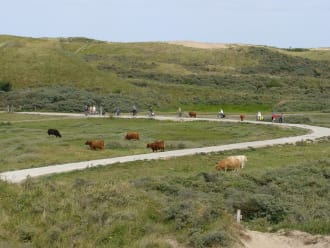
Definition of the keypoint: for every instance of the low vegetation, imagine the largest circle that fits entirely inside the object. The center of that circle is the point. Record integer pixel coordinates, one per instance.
(66, 74)
(182, 200)
(158, 203)
(167, 203)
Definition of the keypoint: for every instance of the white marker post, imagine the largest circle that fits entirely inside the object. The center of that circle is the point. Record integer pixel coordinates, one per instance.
(238, 216)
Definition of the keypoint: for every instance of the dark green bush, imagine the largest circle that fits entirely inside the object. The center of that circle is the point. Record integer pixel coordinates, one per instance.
(219, 238)
(26, 232)
(262, 206)
(5, 86)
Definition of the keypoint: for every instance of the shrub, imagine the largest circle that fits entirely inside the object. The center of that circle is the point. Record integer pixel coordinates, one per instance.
(26, 232)
(219, 238)
(5, 86)
(181, 214)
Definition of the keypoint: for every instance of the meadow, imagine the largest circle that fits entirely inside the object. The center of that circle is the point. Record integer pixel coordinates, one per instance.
(181, 201)
(28, 145)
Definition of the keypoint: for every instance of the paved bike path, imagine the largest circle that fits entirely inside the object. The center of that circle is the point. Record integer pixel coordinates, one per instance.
(315, 133)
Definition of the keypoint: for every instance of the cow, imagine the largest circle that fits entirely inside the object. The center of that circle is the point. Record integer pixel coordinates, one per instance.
(157, 145)
(95, 144)
(132, 136)
(54, 132)
(232, 163)
(192, 114)
(242, 117)
(241, 158)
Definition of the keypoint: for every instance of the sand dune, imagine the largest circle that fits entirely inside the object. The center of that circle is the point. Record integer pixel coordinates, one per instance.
(282, 239)
(205, 45)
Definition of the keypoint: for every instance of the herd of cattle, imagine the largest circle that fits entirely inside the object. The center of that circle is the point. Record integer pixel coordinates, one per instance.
(230, 163)
(99, 144)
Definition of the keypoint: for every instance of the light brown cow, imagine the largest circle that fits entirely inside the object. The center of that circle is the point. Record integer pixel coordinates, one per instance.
(232, 163)
(157, 145)
(192, 114)
(95, 144)
(132, 135)
(242, 158)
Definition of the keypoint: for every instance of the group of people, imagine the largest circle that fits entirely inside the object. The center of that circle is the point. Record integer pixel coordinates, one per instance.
(90, 110)
(134, 111)
(274, 116)
(221, 114)
(259, 117)
(280, 117)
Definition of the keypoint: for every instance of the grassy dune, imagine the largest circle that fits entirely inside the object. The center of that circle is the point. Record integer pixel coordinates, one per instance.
(65, 74)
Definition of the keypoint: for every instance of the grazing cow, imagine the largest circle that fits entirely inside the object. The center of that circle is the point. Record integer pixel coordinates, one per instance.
(95, 144)
(232, 163)
(242, 159)
(192, 114)
(157, 145)
(242, 117)
(54, 132)
(132, 135)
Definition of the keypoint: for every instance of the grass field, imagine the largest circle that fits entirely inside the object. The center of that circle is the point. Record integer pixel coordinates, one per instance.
(157, 203)
(28, 145)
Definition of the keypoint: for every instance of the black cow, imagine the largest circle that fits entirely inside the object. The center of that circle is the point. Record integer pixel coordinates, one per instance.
(54, 132)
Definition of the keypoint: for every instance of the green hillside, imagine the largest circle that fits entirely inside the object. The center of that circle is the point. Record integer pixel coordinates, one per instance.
(65, 74)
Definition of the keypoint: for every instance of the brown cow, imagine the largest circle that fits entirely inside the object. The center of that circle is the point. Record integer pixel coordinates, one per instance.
(157, 145)
(132, 135)
(242, 117)
(95, 144)
(192, 114)
(231, 163)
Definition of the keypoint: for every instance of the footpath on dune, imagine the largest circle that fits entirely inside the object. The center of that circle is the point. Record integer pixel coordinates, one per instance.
(249, 238)
(18, 176)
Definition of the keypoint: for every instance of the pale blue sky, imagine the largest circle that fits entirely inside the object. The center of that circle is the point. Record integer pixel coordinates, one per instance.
(280, 23)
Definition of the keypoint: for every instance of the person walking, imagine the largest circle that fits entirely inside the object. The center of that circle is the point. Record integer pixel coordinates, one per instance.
(221, 114)
(280, 120)
(273, 117)
(151, 112)
(134, 110)
(259, 116)
(179, 112)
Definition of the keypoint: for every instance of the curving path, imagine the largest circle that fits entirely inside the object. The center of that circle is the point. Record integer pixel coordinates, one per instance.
(20, 175)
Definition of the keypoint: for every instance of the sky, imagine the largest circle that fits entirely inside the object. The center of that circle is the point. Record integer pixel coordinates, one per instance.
(278, 23)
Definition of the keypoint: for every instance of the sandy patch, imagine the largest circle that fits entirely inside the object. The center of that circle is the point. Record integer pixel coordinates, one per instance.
(204, 45)
(321, 48)
(282, 239)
